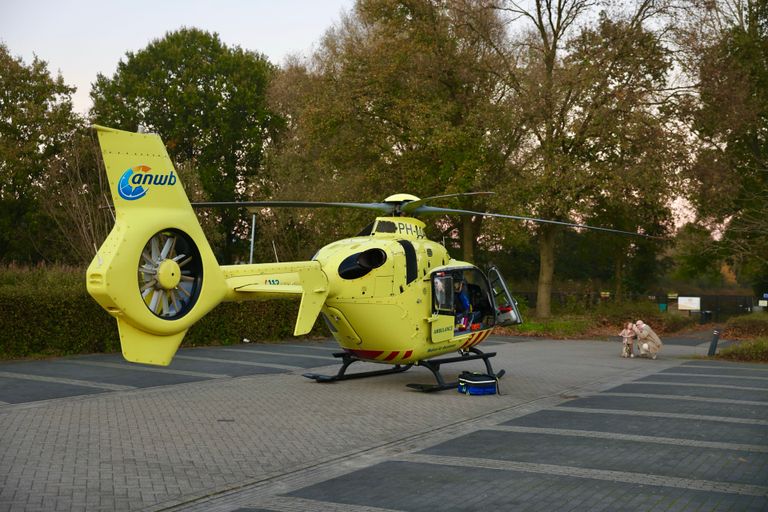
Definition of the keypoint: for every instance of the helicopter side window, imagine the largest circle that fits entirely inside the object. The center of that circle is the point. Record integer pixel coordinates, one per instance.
(442, 291)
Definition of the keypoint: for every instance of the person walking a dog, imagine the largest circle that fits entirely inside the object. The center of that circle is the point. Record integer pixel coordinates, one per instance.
(648, 341)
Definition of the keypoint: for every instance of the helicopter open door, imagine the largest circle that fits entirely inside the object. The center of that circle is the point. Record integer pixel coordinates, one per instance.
(443, 317)
(462, 302)
(506, 305)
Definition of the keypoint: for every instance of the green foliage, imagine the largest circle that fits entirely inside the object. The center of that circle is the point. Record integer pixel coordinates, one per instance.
(208, 103)
(399, 98)
(750, 350)
(556, 327)
(42, 311)
(673, 323)
(619, 313)
(574, 320)
(36, 119)
(601, 150)
(697, 256)
(75, 193)
(46, 311)
(730, 118)
(747, 326)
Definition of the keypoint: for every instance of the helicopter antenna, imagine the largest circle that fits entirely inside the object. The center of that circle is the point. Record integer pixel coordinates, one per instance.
(274, 248)
(96, 249)
(253, 232)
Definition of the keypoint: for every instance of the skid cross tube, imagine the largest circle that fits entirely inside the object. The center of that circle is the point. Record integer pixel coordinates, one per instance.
(346, 360)
(433, 365)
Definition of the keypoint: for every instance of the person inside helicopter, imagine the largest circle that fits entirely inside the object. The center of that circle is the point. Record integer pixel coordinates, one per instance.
(462, 305)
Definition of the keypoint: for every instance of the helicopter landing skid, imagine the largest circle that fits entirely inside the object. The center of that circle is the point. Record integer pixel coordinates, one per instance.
(346, 360)
(434, 366)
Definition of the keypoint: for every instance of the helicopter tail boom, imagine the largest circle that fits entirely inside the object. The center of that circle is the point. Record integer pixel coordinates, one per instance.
(278, 280)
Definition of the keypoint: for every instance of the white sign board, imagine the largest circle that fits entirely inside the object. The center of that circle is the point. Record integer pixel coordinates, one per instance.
(689, 303)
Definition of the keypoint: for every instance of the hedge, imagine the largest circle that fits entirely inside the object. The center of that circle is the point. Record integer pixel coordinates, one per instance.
(747, 326)
(47, 312)
(755, 350)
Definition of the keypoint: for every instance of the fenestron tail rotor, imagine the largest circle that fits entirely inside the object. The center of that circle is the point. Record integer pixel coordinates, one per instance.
(170, 274)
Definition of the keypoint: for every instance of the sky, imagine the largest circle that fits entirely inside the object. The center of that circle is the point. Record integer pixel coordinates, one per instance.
(80, 38)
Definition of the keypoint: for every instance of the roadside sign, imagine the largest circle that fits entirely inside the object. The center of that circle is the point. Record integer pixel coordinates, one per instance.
(689, 303)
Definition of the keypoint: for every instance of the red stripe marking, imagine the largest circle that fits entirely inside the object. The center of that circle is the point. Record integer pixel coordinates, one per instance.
(407, 354)
(482, 336)
(392, 355)
(367, 354)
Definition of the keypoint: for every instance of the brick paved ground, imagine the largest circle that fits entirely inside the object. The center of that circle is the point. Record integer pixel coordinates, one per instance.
(577, 428)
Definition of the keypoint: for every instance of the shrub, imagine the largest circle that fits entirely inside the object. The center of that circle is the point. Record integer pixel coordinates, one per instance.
(48, 312)
(747, 326)
(674, 323)
(560, 327)
(613, 314)
(750, 350)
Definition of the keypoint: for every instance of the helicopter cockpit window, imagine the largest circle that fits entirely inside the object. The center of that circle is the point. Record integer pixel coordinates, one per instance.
(385, 226)
(442, 291)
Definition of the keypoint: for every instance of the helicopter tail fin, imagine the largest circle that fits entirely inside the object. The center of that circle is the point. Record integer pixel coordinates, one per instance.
(156, 261)
(156, 273)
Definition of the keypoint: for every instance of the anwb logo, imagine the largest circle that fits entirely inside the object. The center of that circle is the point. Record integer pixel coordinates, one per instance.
(136, 181)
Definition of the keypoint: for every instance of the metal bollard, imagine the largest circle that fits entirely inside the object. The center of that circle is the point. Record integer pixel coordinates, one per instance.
(713, 345)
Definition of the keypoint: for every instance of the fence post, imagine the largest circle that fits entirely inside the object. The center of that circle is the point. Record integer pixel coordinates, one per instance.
(713, 345)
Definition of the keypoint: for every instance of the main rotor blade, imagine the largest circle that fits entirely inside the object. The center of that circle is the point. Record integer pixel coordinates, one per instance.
(413, 205)
(434, 210)
(382, 207)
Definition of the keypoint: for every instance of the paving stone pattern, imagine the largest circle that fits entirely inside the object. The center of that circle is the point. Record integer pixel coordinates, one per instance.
(652, 426)
(427, 487)
(238, 429)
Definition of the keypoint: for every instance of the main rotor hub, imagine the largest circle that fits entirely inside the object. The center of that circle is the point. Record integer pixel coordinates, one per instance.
(401, 198)
(168, 274)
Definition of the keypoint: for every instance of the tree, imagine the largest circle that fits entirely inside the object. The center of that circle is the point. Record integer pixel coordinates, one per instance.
(599, 135)
(76, 193)
(208, 103)
(36, 120)
(727, 52)
(401, 97)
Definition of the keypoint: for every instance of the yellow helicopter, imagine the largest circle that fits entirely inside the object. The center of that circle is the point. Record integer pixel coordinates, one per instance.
(388, 295)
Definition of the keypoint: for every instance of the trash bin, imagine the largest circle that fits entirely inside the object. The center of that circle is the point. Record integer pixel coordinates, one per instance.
(706, 317)
(662, 308)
